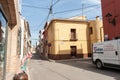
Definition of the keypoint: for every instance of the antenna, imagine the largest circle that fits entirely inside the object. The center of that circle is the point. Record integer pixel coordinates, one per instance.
(82, 10)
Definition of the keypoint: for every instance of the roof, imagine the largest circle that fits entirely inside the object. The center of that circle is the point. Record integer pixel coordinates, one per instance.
(64, 20)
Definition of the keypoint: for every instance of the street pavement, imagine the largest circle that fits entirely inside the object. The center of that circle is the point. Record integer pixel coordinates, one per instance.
(40, 68)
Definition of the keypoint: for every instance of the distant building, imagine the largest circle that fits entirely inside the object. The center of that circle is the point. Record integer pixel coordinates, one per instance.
(24, 34)
(111, 18)
(33, 49)
(40, 45)
(71, 38)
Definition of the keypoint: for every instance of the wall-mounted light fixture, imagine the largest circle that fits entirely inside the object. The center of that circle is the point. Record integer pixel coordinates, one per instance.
(111, 19)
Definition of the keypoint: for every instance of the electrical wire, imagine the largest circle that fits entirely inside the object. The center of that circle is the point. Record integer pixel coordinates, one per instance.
(46, 19)
(55, 2)
(74, 9)
(35, 7)
(88, 11)
(50, 10)
(43, 22)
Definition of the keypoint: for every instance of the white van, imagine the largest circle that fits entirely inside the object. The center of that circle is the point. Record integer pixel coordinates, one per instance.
(107, 54)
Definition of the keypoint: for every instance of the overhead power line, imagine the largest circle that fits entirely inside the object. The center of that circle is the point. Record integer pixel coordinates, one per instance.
(55, 2)
(75, 9)
(50, 12)
(88, 11)
(35, 7)
(46, 19)
(43, 22)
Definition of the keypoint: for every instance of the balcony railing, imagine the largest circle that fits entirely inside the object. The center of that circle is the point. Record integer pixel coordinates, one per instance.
(73, 37)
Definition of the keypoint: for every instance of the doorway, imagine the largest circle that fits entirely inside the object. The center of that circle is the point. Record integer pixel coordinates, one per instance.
(73, 51)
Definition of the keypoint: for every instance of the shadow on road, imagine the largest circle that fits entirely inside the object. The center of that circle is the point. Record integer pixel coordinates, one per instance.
(38, 57)
(89, 66)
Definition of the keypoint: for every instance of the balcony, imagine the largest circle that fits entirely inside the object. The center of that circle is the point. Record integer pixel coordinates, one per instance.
(9, 9)
(73, 39)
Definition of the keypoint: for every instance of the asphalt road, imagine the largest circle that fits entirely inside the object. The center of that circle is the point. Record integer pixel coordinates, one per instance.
(75, 69)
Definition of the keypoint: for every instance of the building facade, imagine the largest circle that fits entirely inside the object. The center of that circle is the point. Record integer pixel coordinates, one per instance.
(39, 49)
(10, 21)
(10, 38)
(70, 38)
(3, 27)
(25, 42)
(111, 18)
(96, 31)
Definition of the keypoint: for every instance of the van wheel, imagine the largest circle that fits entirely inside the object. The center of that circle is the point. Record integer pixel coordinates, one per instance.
(99, 64)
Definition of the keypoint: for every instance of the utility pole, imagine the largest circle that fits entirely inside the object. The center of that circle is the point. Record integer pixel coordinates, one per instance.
(51, 9)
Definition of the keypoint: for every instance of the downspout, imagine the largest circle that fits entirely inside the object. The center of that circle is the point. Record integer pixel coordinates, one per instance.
(22, 38)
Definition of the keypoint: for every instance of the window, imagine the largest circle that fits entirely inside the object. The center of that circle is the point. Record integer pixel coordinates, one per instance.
(91, 30)
(73, 34)
(19, 41)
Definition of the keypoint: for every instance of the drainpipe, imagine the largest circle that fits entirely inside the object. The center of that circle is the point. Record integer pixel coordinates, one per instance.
(22, 38)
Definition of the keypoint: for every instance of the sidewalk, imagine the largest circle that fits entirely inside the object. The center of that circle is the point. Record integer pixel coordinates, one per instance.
(75, 59)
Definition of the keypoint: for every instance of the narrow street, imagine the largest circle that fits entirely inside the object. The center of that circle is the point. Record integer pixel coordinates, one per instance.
(42, 69)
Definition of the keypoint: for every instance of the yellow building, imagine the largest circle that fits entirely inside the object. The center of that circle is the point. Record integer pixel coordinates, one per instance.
(96, 31)
(71, 38)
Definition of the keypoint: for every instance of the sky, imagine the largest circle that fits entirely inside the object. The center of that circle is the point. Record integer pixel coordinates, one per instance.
(36, 12)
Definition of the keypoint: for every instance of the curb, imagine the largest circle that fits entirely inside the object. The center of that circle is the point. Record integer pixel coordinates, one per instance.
(76, 59)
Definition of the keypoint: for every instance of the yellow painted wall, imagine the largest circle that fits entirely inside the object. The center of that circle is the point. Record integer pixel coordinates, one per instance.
(98, 34)
(59, 34)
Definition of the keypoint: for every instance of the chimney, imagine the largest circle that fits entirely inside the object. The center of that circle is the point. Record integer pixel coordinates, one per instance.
(97, 18)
